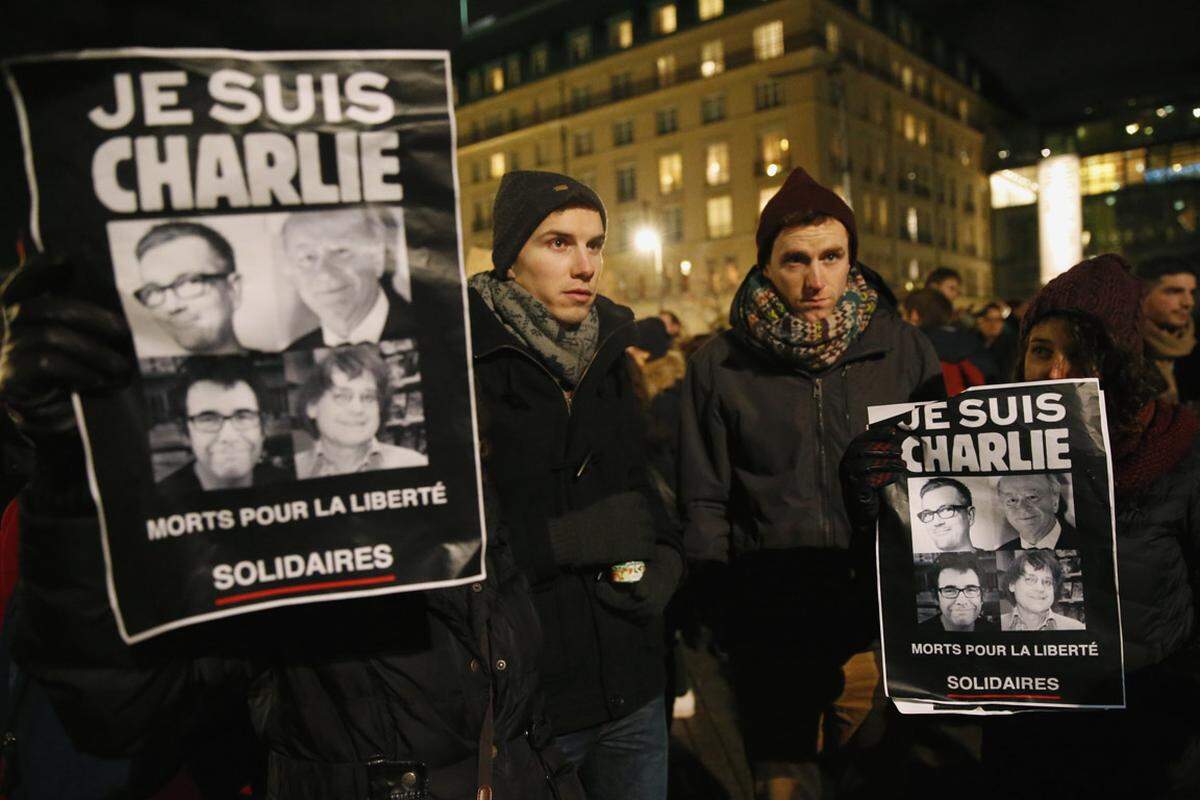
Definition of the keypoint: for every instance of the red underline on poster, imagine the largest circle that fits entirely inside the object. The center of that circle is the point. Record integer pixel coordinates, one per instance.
(304, 587)
(1004, 696)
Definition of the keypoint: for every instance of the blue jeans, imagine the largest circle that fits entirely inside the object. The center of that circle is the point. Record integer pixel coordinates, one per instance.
(625, 759)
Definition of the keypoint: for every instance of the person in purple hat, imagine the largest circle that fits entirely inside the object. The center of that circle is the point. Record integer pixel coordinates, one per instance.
(768, 409)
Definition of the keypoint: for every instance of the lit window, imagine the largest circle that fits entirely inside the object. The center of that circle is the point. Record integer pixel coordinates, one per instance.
(711, 8)
(768, 40)
(868, 211)
(664, 68)
(716, 160)
(712, 58)
(883, 214)
(539, 60)
(906, 78)
(664, 19)
(911, 224)
(626, 182)
(765, 195)
(833, 37)
(773, 147)
(910, 127)
(923, 134)
(496, 167)
(720, 216)
(670, 173)
(495, 80)
(579, 45)
(620, 34)
(964, 111)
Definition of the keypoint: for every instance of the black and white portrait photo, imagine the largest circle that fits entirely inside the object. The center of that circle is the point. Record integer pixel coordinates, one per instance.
(216, 422)
(972, 513)
(266, 282)
(957, 592)
(357, 408)
(349, 266)
(1042, 590)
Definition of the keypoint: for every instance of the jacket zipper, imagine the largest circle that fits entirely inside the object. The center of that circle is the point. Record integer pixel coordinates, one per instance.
(819, 400)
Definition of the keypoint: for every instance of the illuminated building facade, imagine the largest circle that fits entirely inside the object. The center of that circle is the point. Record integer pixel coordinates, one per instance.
(1139, 188)
(686, 116)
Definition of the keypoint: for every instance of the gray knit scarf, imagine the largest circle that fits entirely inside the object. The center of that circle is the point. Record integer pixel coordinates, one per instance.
(565, 351)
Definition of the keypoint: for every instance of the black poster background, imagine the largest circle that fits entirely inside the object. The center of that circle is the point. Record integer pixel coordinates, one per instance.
(921, 682)
(159, 585)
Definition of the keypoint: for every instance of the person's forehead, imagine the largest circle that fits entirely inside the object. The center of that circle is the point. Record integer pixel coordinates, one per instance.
(827, 233)
(940, 494)
(1053, 329)
(584, 224)
(187, 254)
(324, 227)
(960, 577)
(210, 395)
(1032, 483)
(1177, 280)
(340, 379)
(1030, 569)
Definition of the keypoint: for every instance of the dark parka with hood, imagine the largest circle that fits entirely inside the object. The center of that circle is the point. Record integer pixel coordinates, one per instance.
(553, 455)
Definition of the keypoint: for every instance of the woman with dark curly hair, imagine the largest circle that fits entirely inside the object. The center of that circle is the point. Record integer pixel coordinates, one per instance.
(1086, 323)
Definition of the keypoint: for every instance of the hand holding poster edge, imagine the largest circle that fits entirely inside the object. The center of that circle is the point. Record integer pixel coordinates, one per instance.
(883, 414)
(37, 198)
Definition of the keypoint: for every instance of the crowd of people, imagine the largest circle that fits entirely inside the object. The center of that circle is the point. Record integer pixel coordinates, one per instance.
(734, 466)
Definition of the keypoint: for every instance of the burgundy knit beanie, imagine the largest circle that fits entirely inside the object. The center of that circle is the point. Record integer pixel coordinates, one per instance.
(1103, 287)
(801, 193)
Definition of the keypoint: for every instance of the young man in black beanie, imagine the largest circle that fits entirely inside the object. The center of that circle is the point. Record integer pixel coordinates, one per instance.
(564, 444)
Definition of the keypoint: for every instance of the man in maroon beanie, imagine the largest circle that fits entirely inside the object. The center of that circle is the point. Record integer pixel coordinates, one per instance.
(769, 408)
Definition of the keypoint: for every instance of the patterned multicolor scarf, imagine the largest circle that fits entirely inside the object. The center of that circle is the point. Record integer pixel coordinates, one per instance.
(761, 312)
(564, 351)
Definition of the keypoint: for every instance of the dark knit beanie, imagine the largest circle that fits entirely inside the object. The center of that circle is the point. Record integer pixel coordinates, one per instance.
(525, 198)
(650, 334)
(799, 194)
(1103, 287)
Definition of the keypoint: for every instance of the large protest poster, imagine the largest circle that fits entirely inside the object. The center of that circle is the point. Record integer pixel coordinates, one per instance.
(280, 231)
(997, 568)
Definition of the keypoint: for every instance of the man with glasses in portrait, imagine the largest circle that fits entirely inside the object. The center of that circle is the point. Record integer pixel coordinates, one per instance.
(1034, 507)
(959, 595)
(190, 285)
(947, 513)
(223, 420)
(343, 404)
(337, 259)
(1034, 583)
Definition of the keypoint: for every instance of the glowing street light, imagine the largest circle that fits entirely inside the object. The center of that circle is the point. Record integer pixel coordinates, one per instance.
(685, 268)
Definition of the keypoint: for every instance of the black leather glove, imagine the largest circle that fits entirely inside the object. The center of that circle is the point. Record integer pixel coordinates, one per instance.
(616, 529)
(647, 598)
(55, 345)
(872, 461)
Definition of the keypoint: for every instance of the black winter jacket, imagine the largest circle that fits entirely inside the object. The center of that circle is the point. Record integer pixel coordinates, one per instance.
(549, 455)
(329, 686)
(761, 440)
(1152, 748)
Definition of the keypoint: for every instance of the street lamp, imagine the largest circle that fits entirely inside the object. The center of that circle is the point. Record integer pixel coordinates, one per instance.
(648, 240)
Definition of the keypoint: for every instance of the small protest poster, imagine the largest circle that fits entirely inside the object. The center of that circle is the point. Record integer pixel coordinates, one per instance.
(280, 230)
(997, 567)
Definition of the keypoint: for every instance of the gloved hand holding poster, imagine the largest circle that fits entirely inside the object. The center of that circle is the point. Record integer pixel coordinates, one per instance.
(280, 232)
(997, 568)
